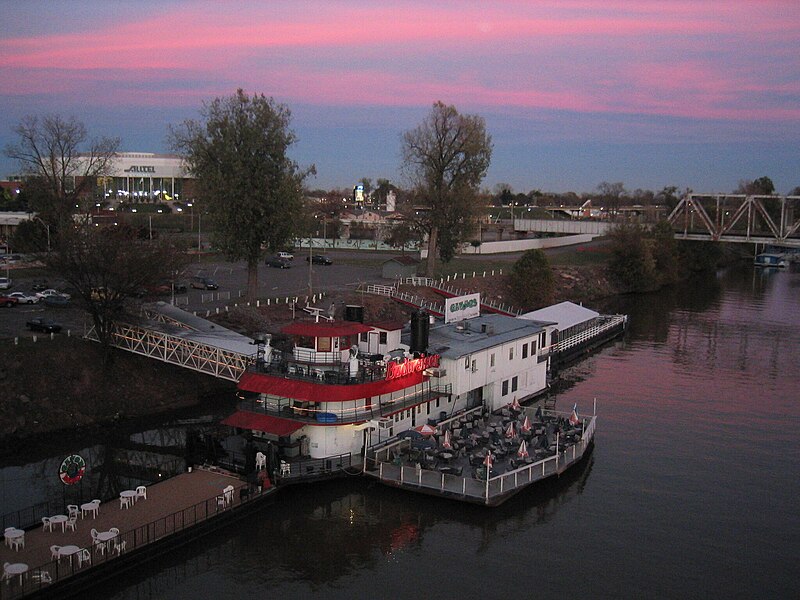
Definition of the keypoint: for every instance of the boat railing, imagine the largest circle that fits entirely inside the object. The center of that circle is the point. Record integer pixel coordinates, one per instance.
(313, 413)
(601, 325)
(384, 464)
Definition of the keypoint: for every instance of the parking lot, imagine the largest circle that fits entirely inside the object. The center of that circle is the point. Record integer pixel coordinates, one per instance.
(349, 268)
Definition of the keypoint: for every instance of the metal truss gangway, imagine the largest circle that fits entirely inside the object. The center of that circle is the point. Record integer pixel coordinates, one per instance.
(170, 334)
(773, 220)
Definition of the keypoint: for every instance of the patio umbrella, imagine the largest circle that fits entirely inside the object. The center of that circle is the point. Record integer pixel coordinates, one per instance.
(510, 433)
(523, 450)
(514, 404)
(447, 444)
(488, 460)
(573, 418)
(526, 425)
(425, 430)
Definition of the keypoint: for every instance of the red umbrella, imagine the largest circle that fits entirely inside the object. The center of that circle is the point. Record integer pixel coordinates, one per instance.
(514, 404)
(523, 450)
(510, 433)
(526, 425)
(488, 460)
(573, 418)
(446, 444)
(425, 430)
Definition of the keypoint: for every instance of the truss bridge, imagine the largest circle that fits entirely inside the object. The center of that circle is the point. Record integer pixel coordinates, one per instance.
(172, 335)
(773, 220)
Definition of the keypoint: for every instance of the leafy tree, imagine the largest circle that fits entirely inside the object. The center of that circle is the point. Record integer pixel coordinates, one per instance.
(531, 280)
(446, 158)
(400, 235)
(762, 186)
(107, 265)
(665, 252)
(632, 264)
(795, 191)
(29, 236)
(611, 194)
(57, 153)
(247, 183)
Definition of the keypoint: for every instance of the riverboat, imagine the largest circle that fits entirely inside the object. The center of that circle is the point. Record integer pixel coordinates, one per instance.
(771, 260)
(337, 389)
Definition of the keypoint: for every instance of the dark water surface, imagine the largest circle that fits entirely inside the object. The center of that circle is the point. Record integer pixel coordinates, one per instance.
(692, 489)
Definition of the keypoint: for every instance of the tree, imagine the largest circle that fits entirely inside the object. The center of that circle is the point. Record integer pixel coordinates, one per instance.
(531, 280)
(762, 186)
(56, 152)
(248, 185)
(108, 265)
(446, 158)
(665, 252)
(632, 264)
(400, 235)
(611, 195)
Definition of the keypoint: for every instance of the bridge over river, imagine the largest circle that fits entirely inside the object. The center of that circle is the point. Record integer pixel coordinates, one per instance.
(736, 218)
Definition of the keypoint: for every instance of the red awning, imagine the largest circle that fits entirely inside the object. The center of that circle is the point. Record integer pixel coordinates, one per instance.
(320, 392)
(265, 423)
(325, 328)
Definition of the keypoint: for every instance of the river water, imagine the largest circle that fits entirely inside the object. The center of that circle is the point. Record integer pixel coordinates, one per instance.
(692, 490)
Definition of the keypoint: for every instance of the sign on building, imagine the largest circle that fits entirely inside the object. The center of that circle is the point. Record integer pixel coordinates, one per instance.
(462, 307)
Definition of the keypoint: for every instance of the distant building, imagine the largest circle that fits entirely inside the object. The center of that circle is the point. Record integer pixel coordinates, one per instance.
(147, 177)
(399, 266)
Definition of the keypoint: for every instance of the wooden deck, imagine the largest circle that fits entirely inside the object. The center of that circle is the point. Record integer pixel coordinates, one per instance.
(171, 506)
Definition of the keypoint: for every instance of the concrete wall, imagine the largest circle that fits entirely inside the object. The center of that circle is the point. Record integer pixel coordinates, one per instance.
(520, 245)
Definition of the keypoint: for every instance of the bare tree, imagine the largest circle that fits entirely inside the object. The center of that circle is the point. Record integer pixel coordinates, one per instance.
(58, 152)
(446, 158)
(108, 265)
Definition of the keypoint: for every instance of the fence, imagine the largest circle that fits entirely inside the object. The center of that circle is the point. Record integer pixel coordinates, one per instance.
(477, 488)
(127, 541)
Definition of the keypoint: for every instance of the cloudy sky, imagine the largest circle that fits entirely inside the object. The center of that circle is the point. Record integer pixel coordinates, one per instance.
(693, 93)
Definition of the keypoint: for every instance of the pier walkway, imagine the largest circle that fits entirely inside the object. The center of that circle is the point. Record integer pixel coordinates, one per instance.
(172, 506)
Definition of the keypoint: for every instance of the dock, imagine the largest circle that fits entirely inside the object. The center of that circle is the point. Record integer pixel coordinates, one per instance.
(180, 506)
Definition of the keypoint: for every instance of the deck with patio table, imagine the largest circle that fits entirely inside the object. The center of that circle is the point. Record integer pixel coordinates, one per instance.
(172, 506)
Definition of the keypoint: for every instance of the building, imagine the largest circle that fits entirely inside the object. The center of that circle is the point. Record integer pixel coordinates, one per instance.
(147, 177)
(400, 266)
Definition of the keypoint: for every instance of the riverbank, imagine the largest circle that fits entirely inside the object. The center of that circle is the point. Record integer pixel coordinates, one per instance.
(53, 385)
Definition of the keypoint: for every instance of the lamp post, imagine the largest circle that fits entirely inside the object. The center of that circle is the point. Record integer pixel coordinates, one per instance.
(198, 232)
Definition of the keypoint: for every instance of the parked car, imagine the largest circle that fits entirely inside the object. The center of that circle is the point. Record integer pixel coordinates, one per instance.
(23, 298)
(51, 292)
(5, 283)
(56, 301)
(40, 285)
(44, 325)
(320, 259)
(277, 262)
(179, 287)
(7, 301)
(286, 255)
(204, 283)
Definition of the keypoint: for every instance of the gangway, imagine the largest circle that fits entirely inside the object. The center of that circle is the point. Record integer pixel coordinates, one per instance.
(175, 336)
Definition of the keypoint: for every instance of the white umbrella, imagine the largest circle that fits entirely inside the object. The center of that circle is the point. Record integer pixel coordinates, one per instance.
(446, 443)
(510, 433)
(526, 425)
(523, 450)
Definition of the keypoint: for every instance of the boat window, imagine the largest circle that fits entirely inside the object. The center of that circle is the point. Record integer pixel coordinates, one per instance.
(511, 353)
(514, 384)
(382, 338)
(524, 350)
(324, 344)
(505, 388)
(491, 360)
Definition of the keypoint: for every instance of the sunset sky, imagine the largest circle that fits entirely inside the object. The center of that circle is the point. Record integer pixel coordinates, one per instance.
(692, 93)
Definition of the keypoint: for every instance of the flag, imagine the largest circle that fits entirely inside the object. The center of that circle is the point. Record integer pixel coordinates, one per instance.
(573, 418)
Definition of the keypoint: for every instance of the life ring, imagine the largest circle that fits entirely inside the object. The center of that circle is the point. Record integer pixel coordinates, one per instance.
(72, 469)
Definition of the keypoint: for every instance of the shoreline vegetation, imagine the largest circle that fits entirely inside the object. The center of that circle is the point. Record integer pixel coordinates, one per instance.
(56, 385)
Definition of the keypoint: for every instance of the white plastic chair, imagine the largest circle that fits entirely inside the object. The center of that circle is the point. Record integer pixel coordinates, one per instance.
(119, 547)
(71, 522)
(17, 542)
(124, 502)
(261, 460)
(286, 469)
(72, 510)
(227, 492)
(7, 529)
(47, 524)
(41, 577)
(114, 530)
(141, 492)
(84, 556)
(55, 552)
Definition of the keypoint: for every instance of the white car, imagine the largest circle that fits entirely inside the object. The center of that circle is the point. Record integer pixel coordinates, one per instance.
(23, 298)
(286, 255)
(50, 292)
(5, 283)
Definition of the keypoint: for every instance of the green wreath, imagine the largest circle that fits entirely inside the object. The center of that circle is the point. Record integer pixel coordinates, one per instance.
(72, 469)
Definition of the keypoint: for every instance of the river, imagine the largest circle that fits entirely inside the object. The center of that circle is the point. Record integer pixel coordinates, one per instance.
(691, 491)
